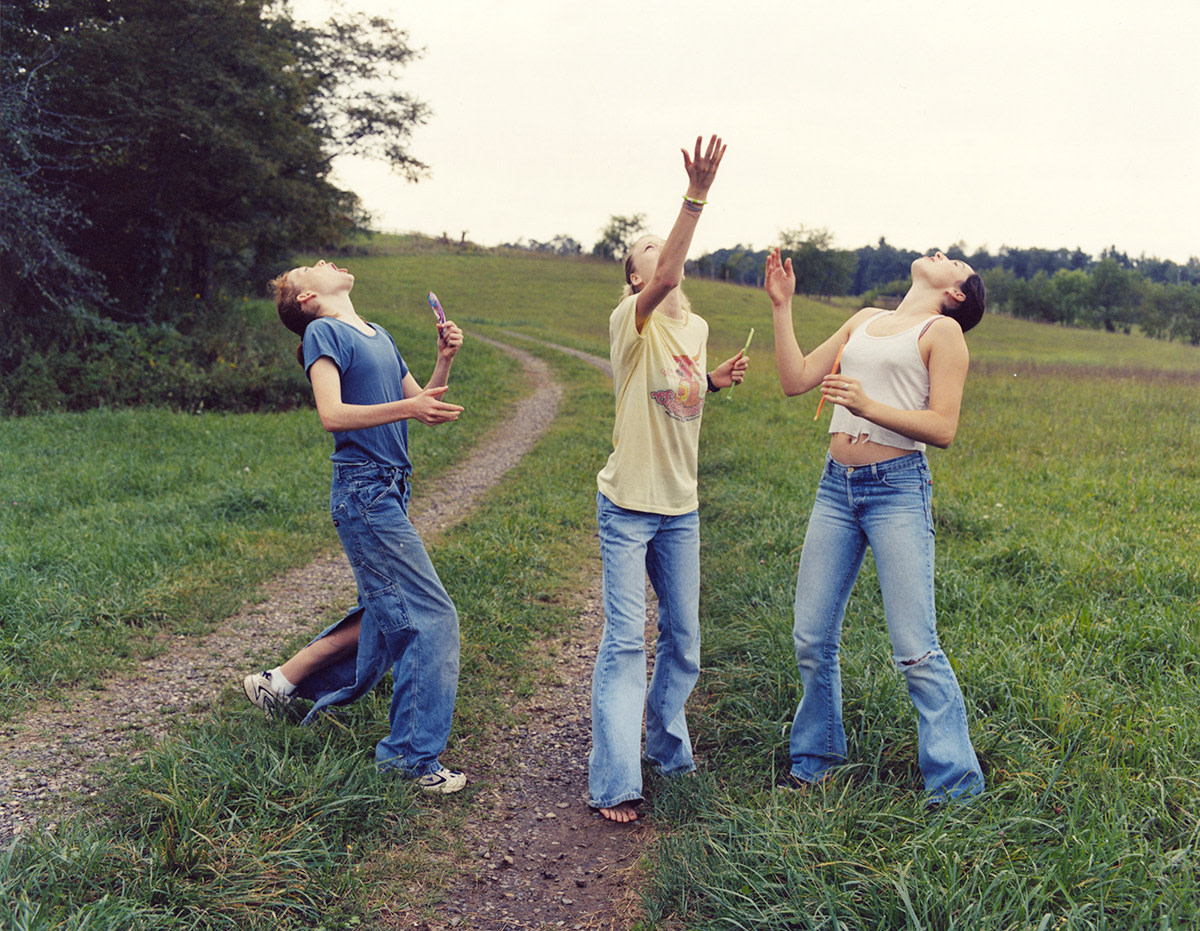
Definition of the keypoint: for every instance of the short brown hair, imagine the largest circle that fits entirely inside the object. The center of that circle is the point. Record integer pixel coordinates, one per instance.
(294, 315)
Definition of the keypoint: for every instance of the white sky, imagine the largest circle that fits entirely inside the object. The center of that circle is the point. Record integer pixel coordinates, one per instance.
(1051, 123)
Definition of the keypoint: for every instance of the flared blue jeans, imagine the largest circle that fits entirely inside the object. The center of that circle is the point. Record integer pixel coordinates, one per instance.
(886, 506)
(635, 544)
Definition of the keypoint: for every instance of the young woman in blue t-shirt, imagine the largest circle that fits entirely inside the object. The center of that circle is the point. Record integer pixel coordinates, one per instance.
(404, 619)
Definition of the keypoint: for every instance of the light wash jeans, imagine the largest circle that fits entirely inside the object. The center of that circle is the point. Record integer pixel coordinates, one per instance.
(408, 620)
(888, 507)
(635, 544)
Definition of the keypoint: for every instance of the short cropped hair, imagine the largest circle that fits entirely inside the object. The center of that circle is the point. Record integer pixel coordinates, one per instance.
(294, 315)
(969, 312)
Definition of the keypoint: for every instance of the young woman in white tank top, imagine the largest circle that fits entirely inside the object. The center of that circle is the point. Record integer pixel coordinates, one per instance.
(898, 388)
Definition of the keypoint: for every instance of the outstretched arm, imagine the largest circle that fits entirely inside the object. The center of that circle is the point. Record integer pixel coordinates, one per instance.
(798, 372)
(702, 171)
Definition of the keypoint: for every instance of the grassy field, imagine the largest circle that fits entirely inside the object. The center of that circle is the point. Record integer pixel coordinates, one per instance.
(1069, 601)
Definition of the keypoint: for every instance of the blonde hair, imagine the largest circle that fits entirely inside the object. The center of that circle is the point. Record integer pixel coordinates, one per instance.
(629, 289)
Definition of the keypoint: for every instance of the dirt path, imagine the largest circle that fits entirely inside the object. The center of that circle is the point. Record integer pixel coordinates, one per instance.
(539, 858)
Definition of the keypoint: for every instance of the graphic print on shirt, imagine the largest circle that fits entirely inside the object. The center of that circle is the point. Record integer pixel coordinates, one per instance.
(686, 401)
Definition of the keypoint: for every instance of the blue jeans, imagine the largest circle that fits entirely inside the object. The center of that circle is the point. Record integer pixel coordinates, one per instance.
(635, 544)
(408, 620)
(886, 506)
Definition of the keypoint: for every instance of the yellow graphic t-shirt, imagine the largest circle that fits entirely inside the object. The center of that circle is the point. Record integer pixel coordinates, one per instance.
(659, 381)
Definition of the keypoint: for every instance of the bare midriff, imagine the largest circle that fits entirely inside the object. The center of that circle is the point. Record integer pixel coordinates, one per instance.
(859, 451)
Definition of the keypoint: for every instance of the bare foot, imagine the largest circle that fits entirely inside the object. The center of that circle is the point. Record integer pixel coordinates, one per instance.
(622, 812)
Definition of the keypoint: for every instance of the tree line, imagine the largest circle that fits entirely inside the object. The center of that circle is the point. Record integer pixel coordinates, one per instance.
(1159, 297)
(1069, 287)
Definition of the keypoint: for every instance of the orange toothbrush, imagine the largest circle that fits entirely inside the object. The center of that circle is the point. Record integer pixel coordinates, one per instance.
(837, 361)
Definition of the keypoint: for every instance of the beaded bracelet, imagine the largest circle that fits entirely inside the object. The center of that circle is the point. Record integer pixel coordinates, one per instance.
(693, 204)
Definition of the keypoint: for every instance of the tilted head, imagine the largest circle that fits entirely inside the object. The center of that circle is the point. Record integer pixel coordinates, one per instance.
(963, 296)
(295, 314)
(299, 292)
(640, 262)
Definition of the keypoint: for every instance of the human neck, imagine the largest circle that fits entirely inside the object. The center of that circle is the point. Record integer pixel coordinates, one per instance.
(340, 306)
(671, 305)
(920, 302)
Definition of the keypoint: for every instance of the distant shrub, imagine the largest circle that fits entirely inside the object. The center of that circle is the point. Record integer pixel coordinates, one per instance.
(239, 361)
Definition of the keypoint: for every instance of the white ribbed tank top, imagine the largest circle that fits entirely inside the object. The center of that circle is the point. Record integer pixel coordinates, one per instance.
(890, 370)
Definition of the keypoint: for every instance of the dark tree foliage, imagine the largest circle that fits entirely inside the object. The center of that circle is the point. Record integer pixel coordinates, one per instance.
(878, 265)
(40, 272)
(165, 149)
(819, 268)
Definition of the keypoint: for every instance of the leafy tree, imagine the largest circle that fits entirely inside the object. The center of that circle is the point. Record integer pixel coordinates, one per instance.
(1184, 304)
(1072, 292)
(208, 128)
(742, 265)
(1035, 299)
(880, 264)
(616, 238)
(1114, 294)
(38, 270)
(820, 268)
(563, 245)
(1001, 285)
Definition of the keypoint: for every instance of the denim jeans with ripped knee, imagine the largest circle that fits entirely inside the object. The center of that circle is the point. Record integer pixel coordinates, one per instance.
(886, 506)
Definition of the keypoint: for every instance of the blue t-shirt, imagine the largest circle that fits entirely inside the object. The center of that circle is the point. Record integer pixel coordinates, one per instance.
(372, 373)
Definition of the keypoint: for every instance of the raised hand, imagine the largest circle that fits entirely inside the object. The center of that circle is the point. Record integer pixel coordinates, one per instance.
(702, 168)
(779, 280)
(450, 339)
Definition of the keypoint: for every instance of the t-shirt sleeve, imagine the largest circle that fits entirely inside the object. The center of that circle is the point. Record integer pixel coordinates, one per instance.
(320, 339)
(624, 338)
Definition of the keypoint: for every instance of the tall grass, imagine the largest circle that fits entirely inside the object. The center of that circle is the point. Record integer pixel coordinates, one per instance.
(1068, 590)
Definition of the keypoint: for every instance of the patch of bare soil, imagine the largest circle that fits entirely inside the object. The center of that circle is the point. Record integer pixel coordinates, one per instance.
(538, 857)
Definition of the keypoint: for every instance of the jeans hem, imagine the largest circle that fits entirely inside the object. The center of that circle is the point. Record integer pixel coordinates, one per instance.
(662, 769)
(628, 797)
(824, 776)
(408, 772)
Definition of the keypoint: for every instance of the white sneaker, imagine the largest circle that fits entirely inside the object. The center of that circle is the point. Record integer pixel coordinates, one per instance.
(262, 693)
(442, 782)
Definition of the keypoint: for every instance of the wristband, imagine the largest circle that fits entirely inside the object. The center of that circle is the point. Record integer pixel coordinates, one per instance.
(711, 387)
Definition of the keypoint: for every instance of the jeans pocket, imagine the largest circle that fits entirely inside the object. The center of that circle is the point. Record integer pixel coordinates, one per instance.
(369, 491)
(906, 480)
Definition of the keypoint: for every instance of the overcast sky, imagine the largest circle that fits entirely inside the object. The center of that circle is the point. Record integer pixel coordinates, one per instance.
(1052, 123)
